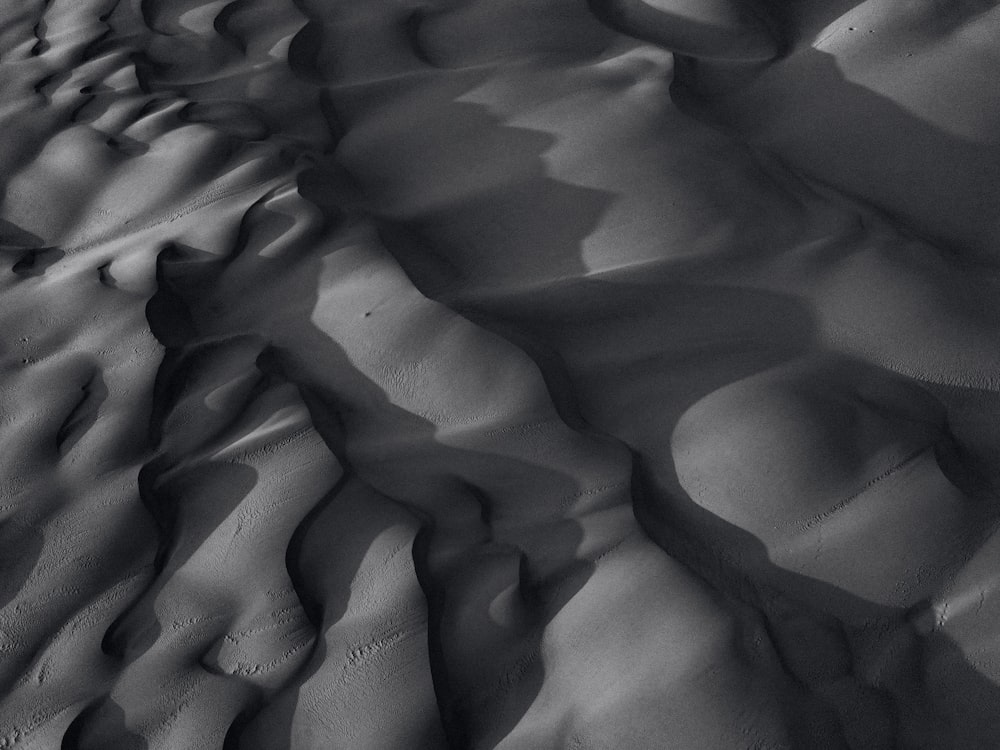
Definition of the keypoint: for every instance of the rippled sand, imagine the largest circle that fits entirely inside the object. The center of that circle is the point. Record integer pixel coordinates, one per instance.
(524, 374)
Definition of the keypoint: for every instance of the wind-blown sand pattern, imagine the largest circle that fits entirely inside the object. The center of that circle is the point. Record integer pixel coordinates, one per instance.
(499, 374)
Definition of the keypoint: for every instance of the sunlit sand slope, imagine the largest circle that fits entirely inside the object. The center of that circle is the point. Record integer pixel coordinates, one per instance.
(526, 374)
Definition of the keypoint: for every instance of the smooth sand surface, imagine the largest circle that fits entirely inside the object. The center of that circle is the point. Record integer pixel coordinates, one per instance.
(517, 374)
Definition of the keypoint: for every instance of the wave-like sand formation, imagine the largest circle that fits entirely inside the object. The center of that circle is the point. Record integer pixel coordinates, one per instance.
(515, 374)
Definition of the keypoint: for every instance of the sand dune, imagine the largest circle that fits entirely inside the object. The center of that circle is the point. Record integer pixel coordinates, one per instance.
(526, 374)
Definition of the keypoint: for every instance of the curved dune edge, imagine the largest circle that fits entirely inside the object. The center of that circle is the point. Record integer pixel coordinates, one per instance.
(490, 375)
(713, 30)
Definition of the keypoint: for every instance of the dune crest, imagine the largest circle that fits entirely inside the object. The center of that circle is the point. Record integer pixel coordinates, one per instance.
(523, 374)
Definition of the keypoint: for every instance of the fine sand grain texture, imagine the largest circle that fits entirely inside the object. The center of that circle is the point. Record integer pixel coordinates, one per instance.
(517, 374)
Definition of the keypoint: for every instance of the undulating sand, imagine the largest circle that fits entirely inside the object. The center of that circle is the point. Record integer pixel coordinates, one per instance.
(517, 374)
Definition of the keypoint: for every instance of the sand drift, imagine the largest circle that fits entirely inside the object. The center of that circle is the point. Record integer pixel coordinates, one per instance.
(517, 374)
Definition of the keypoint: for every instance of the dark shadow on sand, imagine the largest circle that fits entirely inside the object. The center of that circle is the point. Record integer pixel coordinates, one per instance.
(544, 327)
(572, 333)
(928, 182)
(341, 401)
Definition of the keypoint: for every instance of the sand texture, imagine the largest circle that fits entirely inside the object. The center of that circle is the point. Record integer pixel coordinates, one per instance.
(516, 374)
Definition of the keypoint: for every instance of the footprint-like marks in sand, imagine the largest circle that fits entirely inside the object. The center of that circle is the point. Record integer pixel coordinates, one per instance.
(373, 528)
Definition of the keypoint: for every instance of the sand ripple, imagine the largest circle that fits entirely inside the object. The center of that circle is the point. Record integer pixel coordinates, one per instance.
(509, 374)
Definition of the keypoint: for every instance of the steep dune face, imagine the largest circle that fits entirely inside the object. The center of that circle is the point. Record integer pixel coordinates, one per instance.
(819, 463)
(714, 30)
(913, 138)
(517, 375)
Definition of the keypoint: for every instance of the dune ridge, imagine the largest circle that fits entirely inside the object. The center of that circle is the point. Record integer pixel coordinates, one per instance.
(517, 375)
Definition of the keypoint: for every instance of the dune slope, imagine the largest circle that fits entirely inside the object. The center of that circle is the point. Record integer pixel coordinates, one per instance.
(474, 374)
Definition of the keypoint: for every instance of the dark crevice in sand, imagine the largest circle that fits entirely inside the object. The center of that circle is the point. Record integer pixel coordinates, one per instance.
(455, 734)
(247, 231)
(411, 29)
(149, 11)
(105, 41)
(41, 45)
(83, 414)
(94, 102)
(144, 71)
(100, 726)
(36, 261)
(306, 46)
(222, 24)
(52, 81)
(973, 473)
(318, 609)
(127, 147)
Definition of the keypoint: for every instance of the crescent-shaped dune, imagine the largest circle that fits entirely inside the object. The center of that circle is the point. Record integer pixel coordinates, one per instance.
(517, 374)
